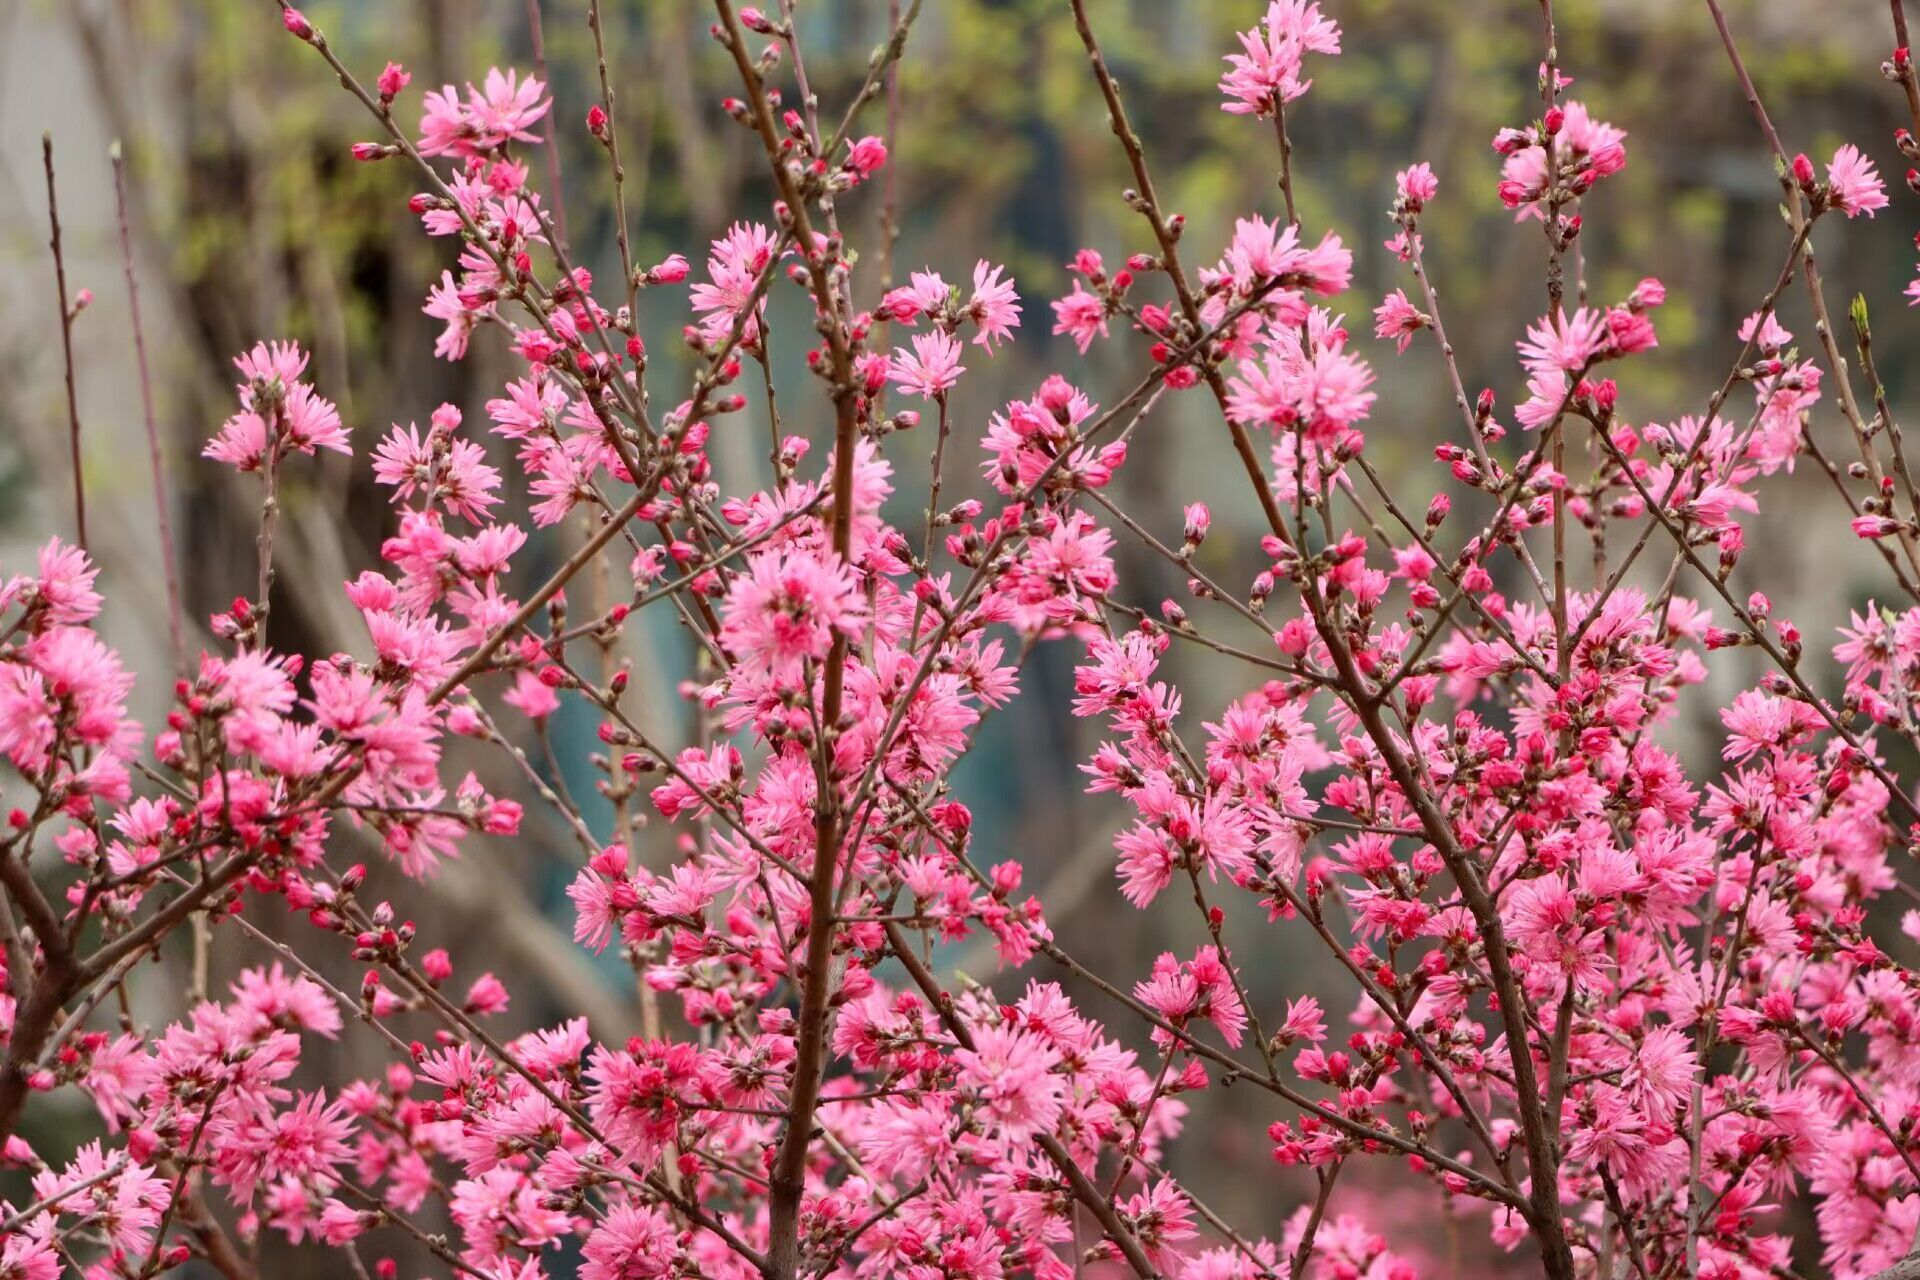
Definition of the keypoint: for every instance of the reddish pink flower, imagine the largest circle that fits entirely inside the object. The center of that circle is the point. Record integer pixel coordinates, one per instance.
(1398, 319)
(1267, 70)
(786, 609)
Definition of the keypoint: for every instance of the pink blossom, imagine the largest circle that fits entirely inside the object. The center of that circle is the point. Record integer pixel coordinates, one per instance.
(278, 413)
(787, 608)
(61, 594)
(1853, 184)
(1081, 315)
(393, 79)
(633, 1243)
(925, 294)
(1012, 1074)
(1398, 319)
(867, 156)
(930, 370)
(734, 269)
(1417, 185)
(503, 111)
(994, 306)
(1267, 70)
(1314, 387)
(1565, 343)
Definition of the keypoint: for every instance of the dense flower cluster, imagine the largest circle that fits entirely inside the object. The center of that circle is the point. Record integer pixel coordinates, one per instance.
(1618, 1014)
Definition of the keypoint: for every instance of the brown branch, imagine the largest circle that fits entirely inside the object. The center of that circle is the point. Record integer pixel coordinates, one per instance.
(1543, 1213)
(58, 979)
(612, 142)
(1083, 1189)
(1816, 293)
(169, 562)
(66, 343)
(1908, 81)
(788, 1180)
(536, 38)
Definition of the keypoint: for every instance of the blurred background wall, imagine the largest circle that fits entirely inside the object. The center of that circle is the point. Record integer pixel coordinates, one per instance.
(250, 221)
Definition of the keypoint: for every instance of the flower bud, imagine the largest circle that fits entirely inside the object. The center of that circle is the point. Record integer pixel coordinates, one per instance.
(393, 80)
(867, 156)
(1199, 520)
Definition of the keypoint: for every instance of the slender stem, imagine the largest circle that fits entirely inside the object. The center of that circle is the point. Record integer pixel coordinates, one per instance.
(163, 511)
(1311, 1232)
(889, 181)
(1756, 631)
(597, 25)
(61, 1196)
(66, 344)
(1816, 293)
(1909, 81)
(788, 1180)
(1077, 1181)
(536, 37)
(1543, 1212)
(269, 524)
(1286, 156)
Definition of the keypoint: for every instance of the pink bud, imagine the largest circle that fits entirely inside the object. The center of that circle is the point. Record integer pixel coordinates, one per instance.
(1199, 520)
(671, 271)
(486, 995)
(393, 80)
(1875, 526)
(867, 156)
(437, 965)
(296, 23)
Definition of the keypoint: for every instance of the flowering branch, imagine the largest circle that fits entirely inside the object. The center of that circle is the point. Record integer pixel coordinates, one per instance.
(1623, 1003)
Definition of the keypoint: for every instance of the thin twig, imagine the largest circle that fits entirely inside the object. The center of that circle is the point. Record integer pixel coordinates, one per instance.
(66, 344)
(169, 562)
